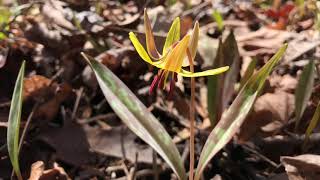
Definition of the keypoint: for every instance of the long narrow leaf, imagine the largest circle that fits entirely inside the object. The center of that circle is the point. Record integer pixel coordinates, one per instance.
(233, 118)
(248, 73)
(219, 20)
(215, 89)
(303, 91)
(136, 116)
(14, 122)
(313, 123)
(221, 88)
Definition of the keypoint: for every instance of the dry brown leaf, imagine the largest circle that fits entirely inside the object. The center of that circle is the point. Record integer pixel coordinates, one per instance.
(69, 142)
(56, 173)
(302, 167)
(37, 169)
(118, 142)
(36, 86)
(271, 111)
(285, 83)
(53, 10)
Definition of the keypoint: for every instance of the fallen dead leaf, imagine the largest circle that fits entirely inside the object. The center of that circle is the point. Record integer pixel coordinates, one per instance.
(285, 83)
(56, 173)
(69, 141)
(118, 142)
(302, 167)
(271, 111)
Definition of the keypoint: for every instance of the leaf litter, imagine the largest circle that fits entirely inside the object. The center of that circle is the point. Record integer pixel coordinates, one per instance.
(75, 133)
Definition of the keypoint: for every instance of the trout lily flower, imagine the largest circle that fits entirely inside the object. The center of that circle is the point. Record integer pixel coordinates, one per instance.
(175, 54)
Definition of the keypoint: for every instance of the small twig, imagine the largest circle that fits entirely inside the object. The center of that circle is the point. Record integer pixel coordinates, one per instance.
(154, 165)
(196, 9)
(76, 104)
(5, 104)
(96, 118)
(185, 152)
(57, 74)
(248, 148)
(123, 151)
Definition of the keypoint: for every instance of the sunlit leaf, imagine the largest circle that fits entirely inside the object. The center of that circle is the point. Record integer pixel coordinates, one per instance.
(313, 123)
(249, 71)
(218, 18)
(303, 91)
(136, 116)
(173, 35)
(14, 122)
(233, 118)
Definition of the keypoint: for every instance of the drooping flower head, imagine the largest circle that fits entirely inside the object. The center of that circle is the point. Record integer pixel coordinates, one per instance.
(176, 54)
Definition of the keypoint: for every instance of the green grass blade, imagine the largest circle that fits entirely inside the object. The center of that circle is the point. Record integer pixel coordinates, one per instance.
(303, 91)
(313, 123)
(14, 122)
(233, 118)
(136, 116)
(218, 18)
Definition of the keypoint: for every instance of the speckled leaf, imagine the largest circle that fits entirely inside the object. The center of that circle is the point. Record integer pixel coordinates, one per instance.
(14, 122)
(233, 118)
(136, 116)
(303, 91)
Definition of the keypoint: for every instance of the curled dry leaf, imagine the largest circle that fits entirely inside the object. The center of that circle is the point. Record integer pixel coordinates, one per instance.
(303, 167)
(38, 172)
(49, 94)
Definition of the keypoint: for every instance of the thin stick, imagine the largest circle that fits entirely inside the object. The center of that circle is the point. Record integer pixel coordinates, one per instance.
(192, 106)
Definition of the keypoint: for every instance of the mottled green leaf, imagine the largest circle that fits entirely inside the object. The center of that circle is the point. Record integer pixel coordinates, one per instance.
(14, 122)
(303, 91)
(313, 123)
(249, 71)
(233, 118)
(221, 88)
(218, 18)
(136, 116)
(173, 35)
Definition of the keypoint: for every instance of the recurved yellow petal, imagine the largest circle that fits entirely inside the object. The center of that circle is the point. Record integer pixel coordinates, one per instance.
(151, 46)
(193, 44)
(203, 73)
(140, 49)
(173, 61)
(172, 36)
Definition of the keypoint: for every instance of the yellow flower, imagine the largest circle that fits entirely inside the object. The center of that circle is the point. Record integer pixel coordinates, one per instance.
(174, 55)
